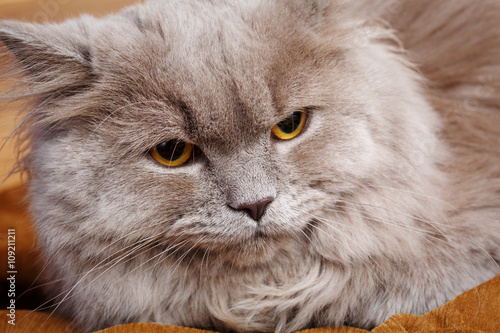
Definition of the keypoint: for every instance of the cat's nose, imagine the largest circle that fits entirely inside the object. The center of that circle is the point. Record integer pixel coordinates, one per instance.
(254, 209)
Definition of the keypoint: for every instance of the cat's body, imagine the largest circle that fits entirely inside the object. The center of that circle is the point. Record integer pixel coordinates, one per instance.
(389, 201)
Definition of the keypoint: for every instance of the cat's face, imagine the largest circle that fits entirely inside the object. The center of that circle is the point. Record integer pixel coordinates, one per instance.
(220, 81)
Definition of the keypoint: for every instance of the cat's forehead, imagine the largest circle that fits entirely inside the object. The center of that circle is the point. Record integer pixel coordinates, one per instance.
(224, 70)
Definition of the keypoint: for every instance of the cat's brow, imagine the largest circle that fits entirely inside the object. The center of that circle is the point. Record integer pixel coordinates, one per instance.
(187, 114)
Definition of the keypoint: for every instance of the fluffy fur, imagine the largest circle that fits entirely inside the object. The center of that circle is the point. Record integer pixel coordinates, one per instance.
(388, 202)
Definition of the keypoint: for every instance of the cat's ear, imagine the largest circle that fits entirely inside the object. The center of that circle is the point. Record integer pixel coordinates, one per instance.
(57, 55)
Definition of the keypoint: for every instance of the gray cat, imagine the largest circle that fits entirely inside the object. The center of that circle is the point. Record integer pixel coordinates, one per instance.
(258, 165)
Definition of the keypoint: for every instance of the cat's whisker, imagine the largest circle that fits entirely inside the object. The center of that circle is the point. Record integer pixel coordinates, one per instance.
(133, 247)
(387, 222)
(329, 225)
(445, 235)
(420, 219)
(385, 208)
(120, 239)
(116, 241)
(172, 243)
(360, 185)
(447, 241)
(121, 108)
(192, 257)
(337, 231)
(83, 273)
(417, 194)
(181, 258)
(386, 202)
(175, 247)
(305, 235)
(205, 255)
(68, 291)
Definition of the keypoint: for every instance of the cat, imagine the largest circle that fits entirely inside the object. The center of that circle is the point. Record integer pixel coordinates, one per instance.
(265, 165)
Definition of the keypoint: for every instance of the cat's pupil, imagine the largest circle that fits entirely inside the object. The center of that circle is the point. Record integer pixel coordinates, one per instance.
(290, 124)
(171, 150)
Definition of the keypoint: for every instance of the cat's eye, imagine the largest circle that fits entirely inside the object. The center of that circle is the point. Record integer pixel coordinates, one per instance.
(172, 153)
(292, 126)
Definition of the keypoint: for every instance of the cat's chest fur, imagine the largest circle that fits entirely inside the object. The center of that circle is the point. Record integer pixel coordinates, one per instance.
(295, 287)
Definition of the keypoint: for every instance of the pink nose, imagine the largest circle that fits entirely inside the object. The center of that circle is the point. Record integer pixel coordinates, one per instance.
(255, 209)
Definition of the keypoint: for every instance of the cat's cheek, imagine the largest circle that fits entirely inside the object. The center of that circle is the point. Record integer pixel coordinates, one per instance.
(352, 155)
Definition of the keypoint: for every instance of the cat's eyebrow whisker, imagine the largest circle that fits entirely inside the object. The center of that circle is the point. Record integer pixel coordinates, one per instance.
(122, 108)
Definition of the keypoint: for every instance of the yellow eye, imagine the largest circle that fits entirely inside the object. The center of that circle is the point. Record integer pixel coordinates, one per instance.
(172, 153)
(291, 126)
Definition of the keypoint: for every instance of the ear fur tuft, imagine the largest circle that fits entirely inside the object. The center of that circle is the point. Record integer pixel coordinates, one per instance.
(43, 66)
(48, 53)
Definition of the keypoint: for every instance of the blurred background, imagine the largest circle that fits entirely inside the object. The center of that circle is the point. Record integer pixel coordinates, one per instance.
(13, 208)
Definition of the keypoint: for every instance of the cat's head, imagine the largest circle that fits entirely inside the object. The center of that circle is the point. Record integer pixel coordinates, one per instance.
(234, 126)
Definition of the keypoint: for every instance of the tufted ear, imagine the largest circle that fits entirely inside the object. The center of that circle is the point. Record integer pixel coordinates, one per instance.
(50, 69)
(57, 55)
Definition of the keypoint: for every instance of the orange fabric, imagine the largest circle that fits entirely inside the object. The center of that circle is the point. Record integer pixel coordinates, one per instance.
(477, 310)
(34, 322)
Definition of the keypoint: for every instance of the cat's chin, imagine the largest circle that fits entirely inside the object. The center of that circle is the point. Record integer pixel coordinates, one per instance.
(256, 248)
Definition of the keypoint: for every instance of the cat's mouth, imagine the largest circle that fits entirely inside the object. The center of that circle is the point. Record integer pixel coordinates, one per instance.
(255, 246)
(259, 234)
(258, 249)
